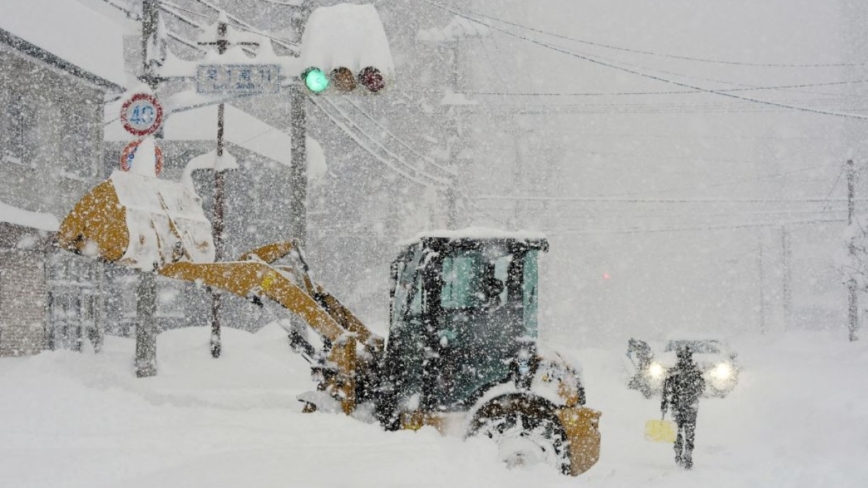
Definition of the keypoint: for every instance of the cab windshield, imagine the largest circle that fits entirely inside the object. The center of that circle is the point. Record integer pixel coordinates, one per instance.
(459, 316)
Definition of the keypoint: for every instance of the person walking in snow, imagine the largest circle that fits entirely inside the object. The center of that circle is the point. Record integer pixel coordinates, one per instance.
(681, 392)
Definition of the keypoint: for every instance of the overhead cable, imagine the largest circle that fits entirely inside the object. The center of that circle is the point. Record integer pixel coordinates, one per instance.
(342, 126)
(665, 55)
(649, 76)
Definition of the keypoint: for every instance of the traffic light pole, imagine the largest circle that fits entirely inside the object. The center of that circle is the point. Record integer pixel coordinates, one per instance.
(298, 169)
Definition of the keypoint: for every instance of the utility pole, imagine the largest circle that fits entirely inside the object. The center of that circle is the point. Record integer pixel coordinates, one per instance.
(146, 292)
(219, 211)
(298, 133)
(762, 286)
(851, 283)
(219, 225)
(454, 142)
(787, 284)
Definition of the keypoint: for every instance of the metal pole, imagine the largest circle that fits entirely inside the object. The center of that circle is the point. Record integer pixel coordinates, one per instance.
(146, 291)
(218, 224)
(851, 284)
(298, 169)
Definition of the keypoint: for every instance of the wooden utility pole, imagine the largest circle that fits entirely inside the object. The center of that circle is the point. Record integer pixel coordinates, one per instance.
(762, 286)
(218, 224)
(454, 142)
(146, 292)
(851, 283)
(787, 278)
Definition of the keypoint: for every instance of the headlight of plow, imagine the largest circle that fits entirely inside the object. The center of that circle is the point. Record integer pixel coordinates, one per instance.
(722, 371)
(656, 370)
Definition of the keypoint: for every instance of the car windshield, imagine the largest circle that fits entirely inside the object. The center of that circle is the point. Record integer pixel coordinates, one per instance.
(698, 347)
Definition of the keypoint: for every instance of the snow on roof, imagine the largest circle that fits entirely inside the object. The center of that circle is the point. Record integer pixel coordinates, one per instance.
(479, 233)
(26, 218)
(350, 36)
(70, 31)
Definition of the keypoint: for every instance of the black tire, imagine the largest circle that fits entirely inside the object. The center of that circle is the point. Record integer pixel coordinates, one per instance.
(527, 432)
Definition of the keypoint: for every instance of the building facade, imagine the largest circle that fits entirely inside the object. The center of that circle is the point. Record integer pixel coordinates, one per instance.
(51, 106)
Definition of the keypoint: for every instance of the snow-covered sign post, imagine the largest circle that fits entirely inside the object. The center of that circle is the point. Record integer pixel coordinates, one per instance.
(229, 72)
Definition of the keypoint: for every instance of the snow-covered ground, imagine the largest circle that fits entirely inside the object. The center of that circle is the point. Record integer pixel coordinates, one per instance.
(799, 418)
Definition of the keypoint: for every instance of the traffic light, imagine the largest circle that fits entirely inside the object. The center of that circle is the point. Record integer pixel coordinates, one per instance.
(343, 80)
(315, 80)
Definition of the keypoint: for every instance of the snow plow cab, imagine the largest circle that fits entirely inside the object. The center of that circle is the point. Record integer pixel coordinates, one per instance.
(462, 354)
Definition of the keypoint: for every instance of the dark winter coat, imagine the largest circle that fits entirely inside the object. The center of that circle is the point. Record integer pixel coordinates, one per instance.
(682, 389)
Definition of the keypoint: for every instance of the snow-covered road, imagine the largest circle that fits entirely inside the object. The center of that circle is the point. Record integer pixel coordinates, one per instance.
(798, 419)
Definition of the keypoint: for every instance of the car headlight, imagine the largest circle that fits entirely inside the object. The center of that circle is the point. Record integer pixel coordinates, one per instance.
(722, 371)
(656, 370)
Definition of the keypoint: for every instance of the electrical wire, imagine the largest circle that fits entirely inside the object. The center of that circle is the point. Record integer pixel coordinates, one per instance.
(643, 93)
(650, 76)
(664, 55)
(365, 147)
(285, 43)
(691, 201)
(399, 159)
(427, 159)
(693, 229)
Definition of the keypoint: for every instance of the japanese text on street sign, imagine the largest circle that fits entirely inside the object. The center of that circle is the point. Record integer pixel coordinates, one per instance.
(141, 114)
(237, 78)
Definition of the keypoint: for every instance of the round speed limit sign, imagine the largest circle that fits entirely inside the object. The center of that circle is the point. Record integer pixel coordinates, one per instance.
(142, 114)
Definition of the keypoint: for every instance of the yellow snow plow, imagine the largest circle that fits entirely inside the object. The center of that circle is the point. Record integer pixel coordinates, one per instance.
(462, 355)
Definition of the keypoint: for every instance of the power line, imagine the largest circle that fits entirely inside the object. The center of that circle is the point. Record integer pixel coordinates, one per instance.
(665, 55)
(400, 141)
(642, 93)
(364, 146)
(434, 179)
(130, 14)
(693, 229)
(649, 76)
(285, 43)
(660, 200)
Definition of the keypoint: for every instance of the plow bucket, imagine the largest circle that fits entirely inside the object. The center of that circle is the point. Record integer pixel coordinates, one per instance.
(660, 431)
(139, 222)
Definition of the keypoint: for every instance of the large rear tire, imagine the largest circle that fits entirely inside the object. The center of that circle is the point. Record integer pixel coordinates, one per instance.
(526, 431)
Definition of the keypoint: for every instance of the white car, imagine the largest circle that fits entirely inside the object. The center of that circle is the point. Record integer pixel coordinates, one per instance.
(715, 359)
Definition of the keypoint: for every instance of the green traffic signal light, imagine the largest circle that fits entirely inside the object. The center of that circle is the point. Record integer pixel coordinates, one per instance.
(315, 80)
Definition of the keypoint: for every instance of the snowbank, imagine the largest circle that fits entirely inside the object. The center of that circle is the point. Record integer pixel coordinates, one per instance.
(70, 31)
(80, 420)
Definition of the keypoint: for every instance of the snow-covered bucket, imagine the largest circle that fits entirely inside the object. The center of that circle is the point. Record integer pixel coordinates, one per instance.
(140, 222)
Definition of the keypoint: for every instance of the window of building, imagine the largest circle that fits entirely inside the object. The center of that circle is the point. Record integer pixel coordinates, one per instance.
(78, 140)
(18, 134)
